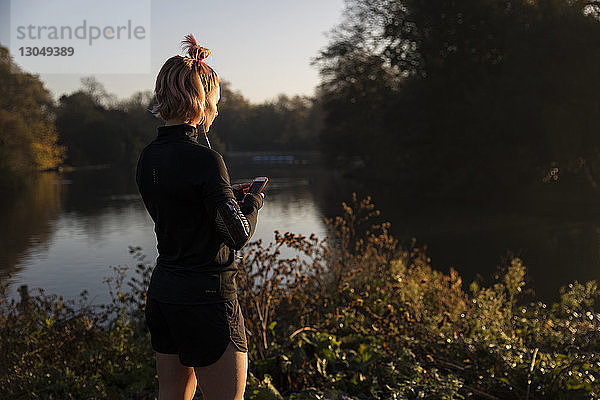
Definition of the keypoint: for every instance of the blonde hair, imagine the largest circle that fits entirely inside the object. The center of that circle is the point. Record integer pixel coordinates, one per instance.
(183, 84)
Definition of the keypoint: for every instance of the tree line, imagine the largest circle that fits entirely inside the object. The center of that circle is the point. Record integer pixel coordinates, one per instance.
(93, 127)
(283, 124)
(460, 98)
(443, 98)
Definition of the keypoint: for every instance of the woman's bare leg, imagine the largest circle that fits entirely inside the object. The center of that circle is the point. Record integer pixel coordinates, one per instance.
(225, 379)
(175, 381)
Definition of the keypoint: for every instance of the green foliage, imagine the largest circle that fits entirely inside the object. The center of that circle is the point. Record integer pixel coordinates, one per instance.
(351, 316)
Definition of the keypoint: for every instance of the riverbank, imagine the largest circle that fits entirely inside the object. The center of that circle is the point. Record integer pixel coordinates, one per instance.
(353, 317)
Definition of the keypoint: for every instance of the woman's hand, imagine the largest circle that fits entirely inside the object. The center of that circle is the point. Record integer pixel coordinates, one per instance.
(240, 190)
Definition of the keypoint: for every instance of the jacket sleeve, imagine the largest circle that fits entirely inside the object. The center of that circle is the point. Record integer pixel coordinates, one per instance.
(234, 224)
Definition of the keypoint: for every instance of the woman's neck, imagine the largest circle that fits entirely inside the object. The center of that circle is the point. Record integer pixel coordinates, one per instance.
(176, 122)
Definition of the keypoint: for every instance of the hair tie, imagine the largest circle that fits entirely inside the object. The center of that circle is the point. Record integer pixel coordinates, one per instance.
(196, 53)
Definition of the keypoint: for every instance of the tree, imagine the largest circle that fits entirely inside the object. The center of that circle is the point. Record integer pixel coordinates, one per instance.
(28, 137)
(471, 97)
(229, 127)
(95, 133)
(281, 124)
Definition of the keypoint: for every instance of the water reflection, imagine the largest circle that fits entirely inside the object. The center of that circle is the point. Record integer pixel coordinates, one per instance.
(96, 190)
(63, 231)
(101, 215)
(290, 203)
(559, 243)
(28, 214)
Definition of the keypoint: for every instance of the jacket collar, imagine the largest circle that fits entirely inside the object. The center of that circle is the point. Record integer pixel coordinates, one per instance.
(180, 131)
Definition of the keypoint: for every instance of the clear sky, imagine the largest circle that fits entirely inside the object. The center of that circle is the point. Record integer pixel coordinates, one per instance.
(263, 47)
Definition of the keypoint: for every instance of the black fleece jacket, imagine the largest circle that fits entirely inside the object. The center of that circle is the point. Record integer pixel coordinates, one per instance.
(198, 223)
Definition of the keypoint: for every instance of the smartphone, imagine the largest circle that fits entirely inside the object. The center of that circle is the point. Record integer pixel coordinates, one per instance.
(258, 184)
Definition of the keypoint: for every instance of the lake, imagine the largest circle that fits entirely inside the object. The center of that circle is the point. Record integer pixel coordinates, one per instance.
(64, 230)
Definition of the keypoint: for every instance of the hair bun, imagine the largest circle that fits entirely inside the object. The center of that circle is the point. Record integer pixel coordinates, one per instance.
(194, 50)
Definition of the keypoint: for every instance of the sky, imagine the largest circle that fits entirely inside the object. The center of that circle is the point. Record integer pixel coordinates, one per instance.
(262, 47)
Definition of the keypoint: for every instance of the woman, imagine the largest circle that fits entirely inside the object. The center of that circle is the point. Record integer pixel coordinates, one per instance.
(196, 326)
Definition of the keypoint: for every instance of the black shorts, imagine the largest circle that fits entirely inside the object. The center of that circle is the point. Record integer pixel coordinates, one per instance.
(198, 333)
